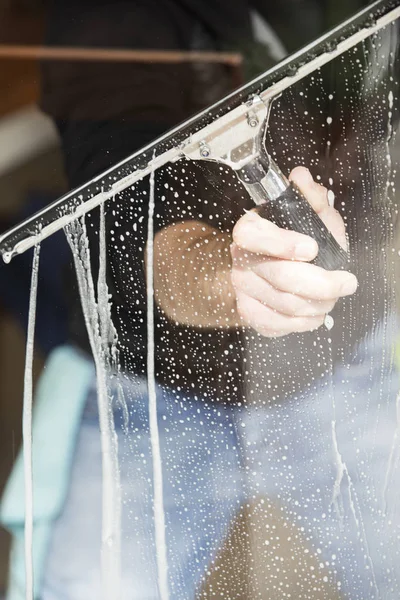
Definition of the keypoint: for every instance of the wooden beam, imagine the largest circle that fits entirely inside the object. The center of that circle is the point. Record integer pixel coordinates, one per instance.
(64, 53)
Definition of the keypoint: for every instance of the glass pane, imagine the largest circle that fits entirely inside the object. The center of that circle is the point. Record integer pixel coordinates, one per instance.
(222, 437)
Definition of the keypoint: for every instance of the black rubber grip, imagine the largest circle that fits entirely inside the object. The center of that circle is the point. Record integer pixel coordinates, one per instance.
(292, 211)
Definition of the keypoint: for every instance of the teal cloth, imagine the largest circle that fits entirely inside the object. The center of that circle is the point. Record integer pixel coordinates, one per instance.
(59, 403)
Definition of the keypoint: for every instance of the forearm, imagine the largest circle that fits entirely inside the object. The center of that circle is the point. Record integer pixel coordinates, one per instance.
(192, 275)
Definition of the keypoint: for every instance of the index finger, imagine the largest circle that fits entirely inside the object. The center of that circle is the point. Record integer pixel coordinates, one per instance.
(258, 235)
(315, 193)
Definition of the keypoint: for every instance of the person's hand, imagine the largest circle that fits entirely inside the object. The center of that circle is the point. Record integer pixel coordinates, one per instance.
(277, 291)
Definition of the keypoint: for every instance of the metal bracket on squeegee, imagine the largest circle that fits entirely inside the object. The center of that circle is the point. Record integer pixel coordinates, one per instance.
(231, 139)
(238, 140)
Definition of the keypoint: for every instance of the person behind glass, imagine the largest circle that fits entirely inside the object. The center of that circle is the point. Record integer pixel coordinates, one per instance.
(255, 277)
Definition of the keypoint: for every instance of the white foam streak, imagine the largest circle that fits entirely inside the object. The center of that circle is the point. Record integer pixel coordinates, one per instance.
(27, 428)
(100, 331)
(158, 500)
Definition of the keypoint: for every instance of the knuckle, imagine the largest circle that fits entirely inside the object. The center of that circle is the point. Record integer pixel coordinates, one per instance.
(309, 323)
(291, 305)
(237, 278)
(237, 232)
(234, 250)
(301, 324)
(312, 310)
(317, 308)
(243, 309)
(243, 230)
(271, 332)
(297, 171)
(267, 270)
(329, 289)
(317, 322)
(241, 259)
(331, 305)
(322, 192)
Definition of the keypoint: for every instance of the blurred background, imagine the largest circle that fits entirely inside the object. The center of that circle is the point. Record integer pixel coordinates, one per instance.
(31, 176)
(31, 173)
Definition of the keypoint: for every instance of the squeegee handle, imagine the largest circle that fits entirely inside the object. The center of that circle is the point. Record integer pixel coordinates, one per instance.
(292, 211)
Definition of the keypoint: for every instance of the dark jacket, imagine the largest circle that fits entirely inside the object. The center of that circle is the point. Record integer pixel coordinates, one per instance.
(105, 111)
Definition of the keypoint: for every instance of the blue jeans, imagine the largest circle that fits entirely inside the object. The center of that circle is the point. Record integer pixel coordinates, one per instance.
(202, 491)
(332, 460)
(323, 458)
